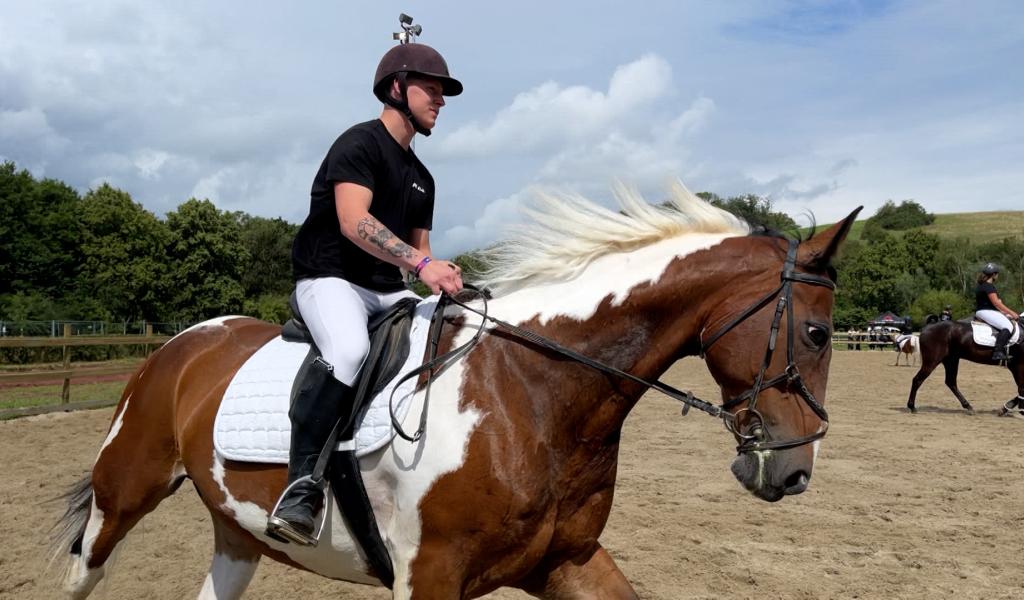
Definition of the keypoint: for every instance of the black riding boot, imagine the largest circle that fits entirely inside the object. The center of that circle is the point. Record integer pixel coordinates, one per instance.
(315, 408)
(999, 352)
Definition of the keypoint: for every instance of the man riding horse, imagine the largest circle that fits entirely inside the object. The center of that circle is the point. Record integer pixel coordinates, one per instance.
(371, 210)
(990, 309)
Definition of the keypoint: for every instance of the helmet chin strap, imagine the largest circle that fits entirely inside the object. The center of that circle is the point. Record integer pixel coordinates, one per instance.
(403, 104)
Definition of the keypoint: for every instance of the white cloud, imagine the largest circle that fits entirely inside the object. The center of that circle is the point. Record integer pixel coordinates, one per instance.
(550, 115)
(581, 139)
(915, 100)
(29, 131)
(486, 229)
(149, 162)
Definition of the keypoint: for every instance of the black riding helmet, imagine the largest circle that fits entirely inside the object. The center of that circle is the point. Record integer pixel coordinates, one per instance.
(418, 59)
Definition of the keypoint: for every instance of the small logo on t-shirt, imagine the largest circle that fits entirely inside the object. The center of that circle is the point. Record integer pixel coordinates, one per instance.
(418, 188)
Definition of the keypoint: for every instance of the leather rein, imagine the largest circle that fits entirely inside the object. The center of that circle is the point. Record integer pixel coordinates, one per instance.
(754, 436)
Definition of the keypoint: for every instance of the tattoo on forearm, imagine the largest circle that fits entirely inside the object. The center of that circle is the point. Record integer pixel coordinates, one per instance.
(376, 233)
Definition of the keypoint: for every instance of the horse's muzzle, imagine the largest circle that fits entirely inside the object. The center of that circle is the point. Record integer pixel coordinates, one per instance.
(770, 475)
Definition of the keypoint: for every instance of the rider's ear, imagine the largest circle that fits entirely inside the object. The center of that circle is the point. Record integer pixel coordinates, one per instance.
(817, 252)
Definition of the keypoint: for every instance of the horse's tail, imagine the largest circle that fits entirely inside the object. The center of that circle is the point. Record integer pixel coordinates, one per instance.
(68, 531)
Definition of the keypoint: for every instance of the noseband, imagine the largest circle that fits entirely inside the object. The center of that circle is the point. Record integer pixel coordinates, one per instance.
(755, 434)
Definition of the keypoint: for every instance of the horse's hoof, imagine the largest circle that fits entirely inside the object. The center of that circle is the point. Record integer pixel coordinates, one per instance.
(912, 410)
(969, 411)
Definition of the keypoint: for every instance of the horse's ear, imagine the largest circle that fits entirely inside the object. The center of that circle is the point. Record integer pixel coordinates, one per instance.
(823, 246)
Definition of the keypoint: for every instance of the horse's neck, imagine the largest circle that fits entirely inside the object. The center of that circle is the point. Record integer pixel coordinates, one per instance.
(632, 311)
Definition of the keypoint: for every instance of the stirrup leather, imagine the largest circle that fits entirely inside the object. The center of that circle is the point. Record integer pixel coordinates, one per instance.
(282, 530)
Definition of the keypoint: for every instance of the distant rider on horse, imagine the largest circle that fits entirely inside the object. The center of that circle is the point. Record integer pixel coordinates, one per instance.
(990, 309)
(947, 313)
(371, 211)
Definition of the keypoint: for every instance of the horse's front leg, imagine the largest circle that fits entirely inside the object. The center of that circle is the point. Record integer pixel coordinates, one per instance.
(952, 365)
(591, 575)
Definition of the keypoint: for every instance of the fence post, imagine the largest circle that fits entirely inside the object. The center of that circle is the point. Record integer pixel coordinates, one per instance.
(65, 394)
(148, 334)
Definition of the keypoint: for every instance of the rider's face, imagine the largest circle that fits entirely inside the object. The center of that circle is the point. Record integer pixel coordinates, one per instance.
(425, 100)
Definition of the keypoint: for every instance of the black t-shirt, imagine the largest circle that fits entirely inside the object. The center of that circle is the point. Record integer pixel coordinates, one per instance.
(403, 200)
(981, 296)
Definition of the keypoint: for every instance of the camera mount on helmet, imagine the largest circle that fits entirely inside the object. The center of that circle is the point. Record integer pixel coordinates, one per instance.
(409, 31)
(410, 57)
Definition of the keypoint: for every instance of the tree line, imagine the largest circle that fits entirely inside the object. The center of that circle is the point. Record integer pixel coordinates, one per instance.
(896, 266)
(102, 256)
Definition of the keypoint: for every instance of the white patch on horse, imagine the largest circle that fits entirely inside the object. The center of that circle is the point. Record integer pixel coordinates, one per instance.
(338, 559)
(81, 579)
(215, 322)
(416, 467)
(613, 274)
(247, 514)
(227, 578)
(115, 428)
(762, 466)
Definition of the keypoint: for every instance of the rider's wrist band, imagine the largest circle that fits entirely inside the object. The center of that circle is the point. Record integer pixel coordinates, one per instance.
(423, 263)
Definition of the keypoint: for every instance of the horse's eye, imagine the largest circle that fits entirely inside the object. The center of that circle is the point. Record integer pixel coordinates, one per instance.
(819, 335)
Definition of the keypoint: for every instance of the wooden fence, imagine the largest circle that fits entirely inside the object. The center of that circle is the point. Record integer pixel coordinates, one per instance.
(861, 341)
(67, 373)
(840, 341)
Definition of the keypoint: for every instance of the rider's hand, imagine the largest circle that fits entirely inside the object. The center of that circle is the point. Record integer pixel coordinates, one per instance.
(442, 275)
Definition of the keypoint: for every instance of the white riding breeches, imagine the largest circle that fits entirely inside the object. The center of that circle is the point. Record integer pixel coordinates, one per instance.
(995, 319)
(336, 313)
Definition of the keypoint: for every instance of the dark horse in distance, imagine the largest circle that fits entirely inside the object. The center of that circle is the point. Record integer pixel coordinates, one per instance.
(947, 342)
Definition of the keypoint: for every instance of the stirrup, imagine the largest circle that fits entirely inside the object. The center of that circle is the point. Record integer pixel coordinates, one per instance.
(282, 531)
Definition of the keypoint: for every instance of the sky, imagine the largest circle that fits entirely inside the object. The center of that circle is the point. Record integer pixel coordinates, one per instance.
(819, 106)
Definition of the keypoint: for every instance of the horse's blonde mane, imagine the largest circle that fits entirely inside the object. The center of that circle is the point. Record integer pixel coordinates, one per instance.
(565, 232)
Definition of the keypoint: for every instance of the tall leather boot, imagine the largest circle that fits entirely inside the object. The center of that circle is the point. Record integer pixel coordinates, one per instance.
(999, 352)
(315, 408)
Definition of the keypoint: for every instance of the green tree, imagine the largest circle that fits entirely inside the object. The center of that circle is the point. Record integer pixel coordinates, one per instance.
(39, 234)
(268, 243)
(1008, 253)
(932, 302)
(207, 258)
(956, 263)
(123, 256)
(755, 210)
(268, 307)
(907, 215)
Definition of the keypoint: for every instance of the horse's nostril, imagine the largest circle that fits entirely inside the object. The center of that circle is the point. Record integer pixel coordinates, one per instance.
(797, 482)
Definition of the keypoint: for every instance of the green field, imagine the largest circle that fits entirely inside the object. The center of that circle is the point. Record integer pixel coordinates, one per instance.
(978, 226)
(46, 395)
(94, 392)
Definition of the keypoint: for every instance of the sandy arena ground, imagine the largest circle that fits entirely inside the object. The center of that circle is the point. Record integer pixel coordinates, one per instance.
(900, 506)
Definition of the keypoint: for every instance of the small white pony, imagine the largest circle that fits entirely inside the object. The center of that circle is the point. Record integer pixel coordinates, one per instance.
(910, 345)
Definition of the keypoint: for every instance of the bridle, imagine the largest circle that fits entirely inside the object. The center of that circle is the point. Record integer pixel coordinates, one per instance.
(754, 436)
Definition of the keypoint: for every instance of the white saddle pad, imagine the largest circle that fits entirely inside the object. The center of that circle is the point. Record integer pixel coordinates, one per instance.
(252, 423)
(984, 334)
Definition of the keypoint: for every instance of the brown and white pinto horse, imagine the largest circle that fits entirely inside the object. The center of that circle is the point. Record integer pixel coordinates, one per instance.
(512, 482)
(907, 345)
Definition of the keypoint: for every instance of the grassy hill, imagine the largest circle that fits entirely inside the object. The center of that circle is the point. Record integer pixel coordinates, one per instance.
(979, 226)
